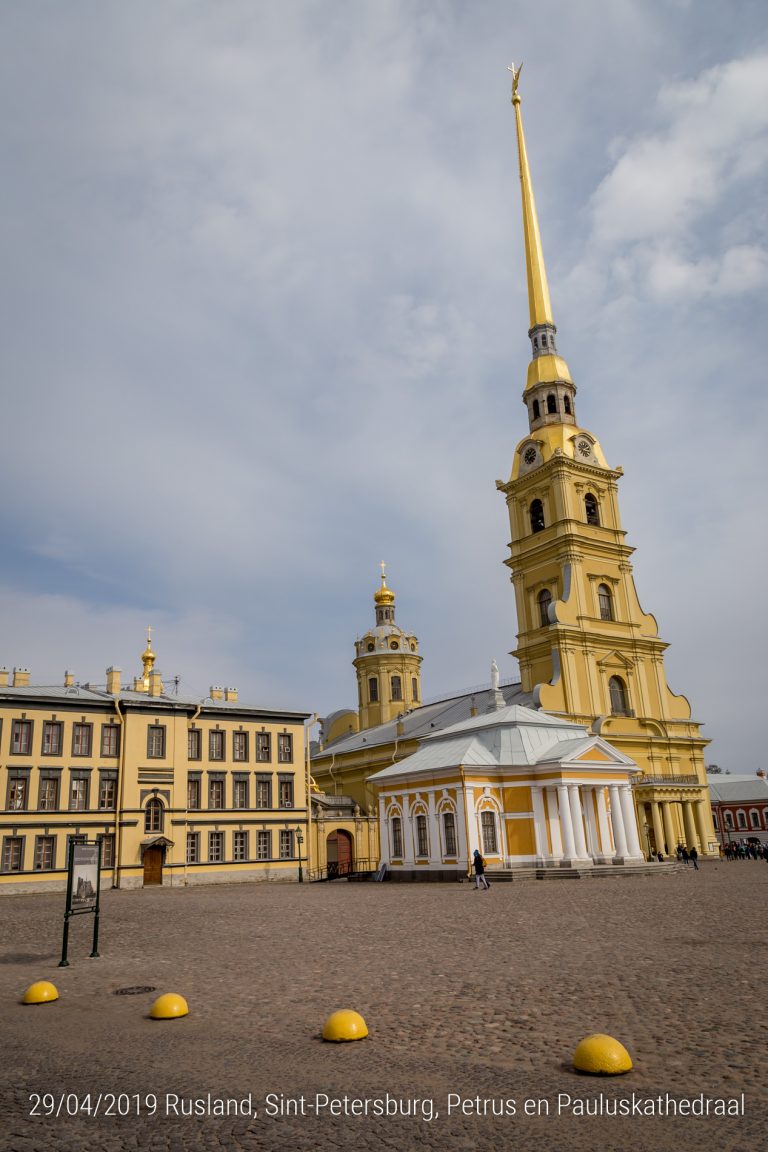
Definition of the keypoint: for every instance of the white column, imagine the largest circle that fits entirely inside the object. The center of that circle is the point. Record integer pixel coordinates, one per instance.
(606, 847)
(409, 833)
(630, 821)
(385, 837)
(435, 848)
(566, 824)
(593, 843)
(539, 823)
(553, 820)
(461, 821)
(578, 823)
(617, 820)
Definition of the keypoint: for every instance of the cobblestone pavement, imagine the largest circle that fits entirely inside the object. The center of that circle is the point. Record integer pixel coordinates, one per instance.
(466, 994)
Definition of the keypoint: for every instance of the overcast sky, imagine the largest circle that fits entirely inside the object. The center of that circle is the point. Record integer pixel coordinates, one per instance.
(265, 325)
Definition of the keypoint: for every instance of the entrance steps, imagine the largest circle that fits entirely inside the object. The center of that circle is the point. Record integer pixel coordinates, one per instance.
(597, 871)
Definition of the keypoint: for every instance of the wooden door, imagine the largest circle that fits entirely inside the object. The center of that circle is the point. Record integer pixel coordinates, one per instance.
(153, 866)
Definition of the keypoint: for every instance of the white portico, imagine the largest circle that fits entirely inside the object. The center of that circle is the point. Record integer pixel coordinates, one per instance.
(526, 788)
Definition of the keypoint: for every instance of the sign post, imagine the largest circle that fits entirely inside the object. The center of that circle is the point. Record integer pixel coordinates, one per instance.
(83, 888)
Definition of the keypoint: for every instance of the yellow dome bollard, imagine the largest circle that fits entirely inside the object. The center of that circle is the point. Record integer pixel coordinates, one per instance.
(601, 1055)
(345, 1025)
(43, 992)
(171, 1006)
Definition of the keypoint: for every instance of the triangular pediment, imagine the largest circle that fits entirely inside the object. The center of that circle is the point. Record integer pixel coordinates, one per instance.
(615, 661)
(595, 754)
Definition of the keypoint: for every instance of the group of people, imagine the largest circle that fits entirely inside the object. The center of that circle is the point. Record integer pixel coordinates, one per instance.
(688, 855)
(745, 851)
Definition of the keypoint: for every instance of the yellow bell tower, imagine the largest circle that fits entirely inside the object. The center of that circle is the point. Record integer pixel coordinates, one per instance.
(585, 647)
(387, 663)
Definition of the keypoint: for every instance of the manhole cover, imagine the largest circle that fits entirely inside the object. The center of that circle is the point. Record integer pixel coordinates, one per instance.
(135, 990)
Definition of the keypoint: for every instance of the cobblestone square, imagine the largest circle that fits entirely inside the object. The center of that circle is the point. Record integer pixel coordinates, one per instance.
(466, 995)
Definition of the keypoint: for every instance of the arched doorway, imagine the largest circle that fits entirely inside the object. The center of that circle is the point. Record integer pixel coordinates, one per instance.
(339, 855)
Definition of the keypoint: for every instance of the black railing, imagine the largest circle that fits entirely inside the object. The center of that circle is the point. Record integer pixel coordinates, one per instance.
(668, 778)
(344, 870)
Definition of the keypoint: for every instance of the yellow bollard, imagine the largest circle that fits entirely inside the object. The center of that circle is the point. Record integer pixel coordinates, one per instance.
(170, 1006)
(601, 1055)
(43, 992)
(345, 1025)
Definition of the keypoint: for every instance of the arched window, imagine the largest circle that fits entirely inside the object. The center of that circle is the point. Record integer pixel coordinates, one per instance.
(567, 405)
(754, 817)
(551, 402)
(536, 410)
(449, 833)
(591, 509)
(488, 830)
(397, 837)
(605, 601)
(537, 516)
(728, 820)
(153, 816)
(397, 688)
(422, 841)
(741, 818)
(535, 341)
(414, 688)
(373, 689)
(545, 599)
(765, 818)
(618, 691)
(543, 340)
(714, 819)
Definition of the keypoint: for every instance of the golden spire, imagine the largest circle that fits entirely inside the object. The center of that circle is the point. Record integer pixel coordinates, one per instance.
(546, 364)
(384, 595)
(148, 656)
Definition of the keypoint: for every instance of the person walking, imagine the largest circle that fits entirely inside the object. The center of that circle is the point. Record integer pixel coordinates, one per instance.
(479, 866)
(694, 855)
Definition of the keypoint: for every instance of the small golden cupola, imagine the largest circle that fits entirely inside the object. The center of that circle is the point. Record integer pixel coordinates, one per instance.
(388, 664)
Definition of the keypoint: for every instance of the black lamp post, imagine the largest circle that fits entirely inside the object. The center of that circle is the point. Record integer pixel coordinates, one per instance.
(648, 838)
(300, 841)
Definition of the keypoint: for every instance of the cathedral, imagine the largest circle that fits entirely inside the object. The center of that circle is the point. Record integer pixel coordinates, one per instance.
(591, 758)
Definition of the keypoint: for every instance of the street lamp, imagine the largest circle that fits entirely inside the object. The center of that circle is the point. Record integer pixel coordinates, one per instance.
(648, 837)
(300, 841)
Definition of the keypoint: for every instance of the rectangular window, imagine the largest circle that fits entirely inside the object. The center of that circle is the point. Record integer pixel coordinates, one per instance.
(110, 740)
(215, 847)
(488, 827)
(240, 792)
(285, 784)
(397, 838)
(18, 793)
(21, 737)
(81, 739)
(49, 793)
(263, 845)
(240, 846)
(239, 745)
(193, 792)
(13, 854)
(285, 748)
(263, 747)
(107, 792)
(422, 841)
(449, 832)
(263, 791)
(78, 793)
(216, 793)
(53, 738)
(193, 847)
(108, 851)
(286, 844)
(156, 742)
(215, 744)
(194, 744)
(45, 853)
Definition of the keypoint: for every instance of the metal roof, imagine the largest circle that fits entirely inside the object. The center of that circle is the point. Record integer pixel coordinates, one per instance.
(738, 789)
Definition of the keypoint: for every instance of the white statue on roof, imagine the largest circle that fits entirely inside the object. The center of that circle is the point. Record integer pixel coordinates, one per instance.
(494, 676)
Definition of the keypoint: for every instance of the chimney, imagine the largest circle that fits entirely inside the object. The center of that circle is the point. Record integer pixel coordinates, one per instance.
(69, 679)
(231, 695)
(113, 681)
(155, 683)
(3, 677)
(20, 678)
(217, 692)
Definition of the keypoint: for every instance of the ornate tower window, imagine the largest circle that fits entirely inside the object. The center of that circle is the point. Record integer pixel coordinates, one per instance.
(414, 688)
(567, 405)
(536, 410)
(619, 700)
(545, 599)
(551, 401)
(605, 601)
(537, 516)
(397, 688)
(591, 509)
(373, 689)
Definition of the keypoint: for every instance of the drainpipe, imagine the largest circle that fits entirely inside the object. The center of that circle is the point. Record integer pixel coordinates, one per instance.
(308, 785)
(191, 721)
(121, 797)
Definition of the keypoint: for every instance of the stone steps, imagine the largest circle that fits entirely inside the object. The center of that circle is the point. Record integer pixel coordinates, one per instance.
(598, 871)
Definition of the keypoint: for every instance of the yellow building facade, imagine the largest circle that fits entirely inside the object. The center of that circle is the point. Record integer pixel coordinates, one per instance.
(179, 791)
(586, 648)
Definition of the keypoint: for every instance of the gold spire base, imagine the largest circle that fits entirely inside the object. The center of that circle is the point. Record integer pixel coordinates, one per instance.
(546, 370)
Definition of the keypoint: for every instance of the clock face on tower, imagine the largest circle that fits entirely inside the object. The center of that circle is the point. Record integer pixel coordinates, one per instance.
(529, 455)
(584, 447)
